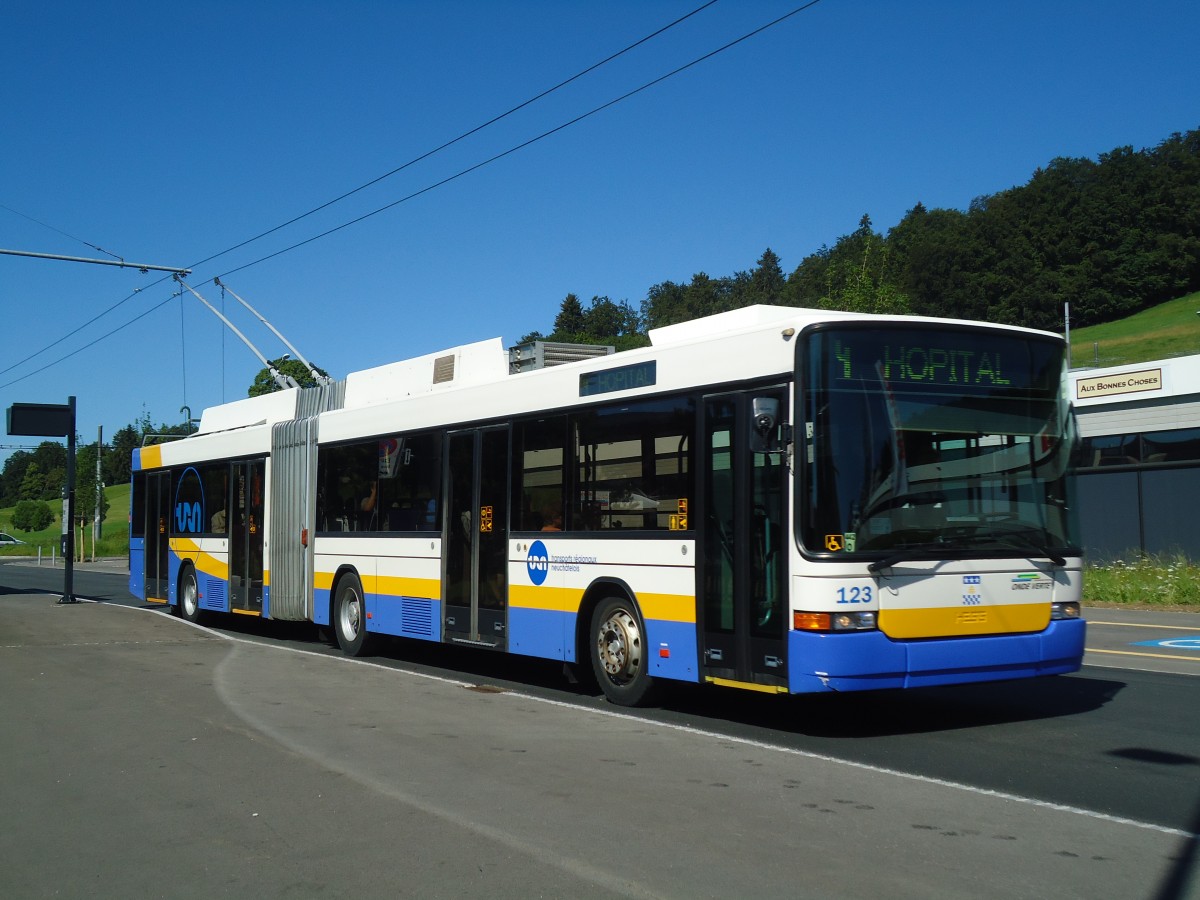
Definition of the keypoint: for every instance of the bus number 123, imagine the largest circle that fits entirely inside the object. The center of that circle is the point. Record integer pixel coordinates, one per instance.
(855, 595)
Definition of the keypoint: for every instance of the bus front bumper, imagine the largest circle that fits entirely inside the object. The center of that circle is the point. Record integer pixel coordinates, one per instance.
(870, 660)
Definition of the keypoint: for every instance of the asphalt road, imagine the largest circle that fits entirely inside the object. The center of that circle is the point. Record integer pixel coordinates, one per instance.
(442, 773)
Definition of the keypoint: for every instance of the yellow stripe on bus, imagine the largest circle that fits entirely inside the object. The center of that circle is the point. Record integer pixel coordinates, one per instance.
(395, 586)
(387, 585)
(204, 562)
(958, 621)
(668, 607)
(553, 599)
(662, 607)
(151, 457)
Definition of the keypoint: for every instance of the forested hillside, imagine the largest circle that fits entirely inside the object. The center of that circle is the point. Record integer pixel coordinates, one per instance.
(1110, 236)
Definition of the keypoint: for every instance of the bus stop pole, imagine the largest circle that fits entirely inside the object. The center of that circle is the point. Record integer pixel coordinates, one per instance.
(69, 550)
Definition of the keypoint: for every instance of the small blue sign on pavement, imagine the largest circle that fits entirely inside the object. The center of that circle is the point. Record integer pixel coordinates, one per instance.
(1179, 643)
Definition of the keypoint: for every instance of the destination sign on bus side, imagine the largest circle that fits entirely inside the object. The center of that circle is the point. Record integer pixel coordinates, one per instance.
(621, 378)
(928, 365)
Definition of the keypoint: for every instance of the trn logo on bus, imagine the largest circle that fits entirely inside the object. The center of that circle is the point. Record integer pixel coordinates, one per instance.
(188, 518)
(189, 503)
(538, 562)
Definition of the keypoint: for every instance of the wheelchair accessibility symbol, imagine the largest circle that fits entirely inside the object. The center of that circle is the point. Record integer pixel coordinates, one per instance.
(835, 542)
(1192, 644)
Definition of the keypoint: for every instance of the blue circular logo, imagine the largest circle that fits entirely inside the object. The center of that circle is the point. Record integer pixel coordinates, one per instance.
(189, 503)
(538, 562)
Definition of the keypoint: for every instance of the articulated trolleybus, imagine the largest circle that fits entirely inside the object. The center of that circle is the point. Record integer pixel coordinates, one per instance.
(776, 499)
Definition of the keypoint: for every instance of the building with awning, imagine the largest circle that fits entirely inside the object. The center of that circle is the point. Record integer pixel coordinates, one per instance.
(1139, 470)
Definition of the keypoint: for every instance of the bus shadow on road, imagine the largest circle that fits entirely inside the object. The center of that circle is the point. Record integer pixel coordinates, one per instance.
(833, 715)
(915, 711)
(6, 590)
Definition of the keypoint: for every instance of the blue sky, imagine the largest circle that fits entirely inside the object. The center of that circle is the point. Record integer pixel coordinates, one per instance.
(166, 133)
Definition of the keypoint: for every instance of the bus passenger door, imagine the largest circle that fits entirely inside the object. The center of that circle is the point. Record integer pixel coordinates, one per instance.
(744, 545)
(246, 537)
(476, 539)
(158, 531)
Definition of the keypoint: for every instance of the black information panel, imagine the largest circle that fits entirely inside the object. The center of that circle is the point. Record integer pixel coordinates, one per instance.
(622, 378)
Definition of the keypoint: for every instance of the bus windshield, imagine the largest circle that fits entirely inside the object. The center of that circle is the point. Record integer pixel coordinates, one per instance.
(928, 441)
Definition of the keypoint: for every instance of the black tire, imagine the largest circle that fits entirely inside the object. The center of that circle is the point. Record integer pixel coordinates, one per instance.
(350, 617)
(189, 596)
(620, 659)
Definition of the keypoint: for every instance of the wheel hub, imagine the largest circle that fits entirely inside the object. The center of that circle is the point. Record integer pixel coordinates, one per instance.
(619, 642)
(190, 597)
(350, 618)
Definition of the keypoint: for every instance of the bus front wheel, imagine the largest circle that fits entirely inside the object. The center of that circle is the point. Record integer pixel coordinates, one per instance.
(350, 617)
(189, 596)
(618, 650)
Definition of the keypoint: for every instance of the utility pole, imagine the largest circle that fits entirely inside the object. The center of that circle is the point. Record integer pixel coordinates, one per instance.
(1067, 320)
(99, 490)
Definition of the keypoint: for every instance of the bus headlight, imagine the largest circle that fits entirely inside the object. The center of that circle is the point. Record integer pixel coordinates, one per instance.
(1064, 611)
(855, 621)
(841, 621)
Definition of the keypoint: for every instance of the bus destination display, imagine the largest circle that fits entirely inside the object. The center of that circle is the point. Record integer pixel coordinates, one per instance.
(622, 378)
(929, 364)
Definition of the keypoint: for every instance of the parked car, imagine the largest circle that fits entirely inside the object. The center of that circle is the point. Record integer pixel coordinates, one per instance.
(7, 540)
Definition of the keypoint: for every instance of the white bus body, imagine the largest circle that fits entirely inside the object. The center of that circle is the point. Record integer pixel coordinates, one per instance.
(778, 499)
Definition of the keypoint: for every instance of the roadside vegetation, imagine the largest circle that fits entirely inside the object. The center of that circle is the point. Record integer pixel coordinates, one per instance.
(114, 530)
(1161, 332)
(1147, 582)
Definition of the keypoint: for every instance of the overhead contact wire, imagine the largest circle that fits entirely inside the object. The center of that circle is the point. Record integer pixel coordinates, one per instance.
(531, 141)
(356, 190)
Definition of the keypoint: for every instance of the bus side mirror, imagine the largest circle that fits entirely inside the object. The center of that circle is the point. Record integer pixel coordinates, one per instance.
(764, 414)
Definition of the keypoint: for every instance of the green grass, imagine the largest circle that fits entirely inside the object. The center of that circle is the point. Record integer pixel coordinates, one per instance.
(114, 530)
(1144, 583)
(1168, 330)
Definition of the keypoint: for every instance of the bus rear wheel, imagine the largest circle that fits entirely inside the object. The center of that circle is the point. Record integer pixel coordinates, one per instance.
(350, 617)
(189, 596)
(617, 646)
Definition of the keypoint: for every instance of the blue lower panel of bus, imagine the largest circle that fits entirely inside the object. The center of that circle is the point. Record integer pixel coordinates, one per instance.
(672, 648)
(413, 617)
(547, 633)
(860, 661)
(214, 594)
(173, 564)
(550, 634)
(137, 567)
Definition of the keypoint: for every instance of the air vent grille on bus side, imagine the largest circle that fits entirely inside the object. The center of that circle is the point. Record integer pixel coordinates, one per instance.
(443, 369)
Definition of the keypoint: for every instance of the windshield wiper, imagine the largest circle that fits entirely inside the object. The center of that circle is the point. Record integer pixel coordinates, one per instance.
(906, 556)
(1030, 549)
(940, 550)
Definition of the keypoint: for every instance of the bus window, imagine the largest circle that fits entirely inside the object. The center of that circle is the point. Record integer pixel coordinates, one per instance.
(386, 484)
(409, 473)
(633, 464)
(345, 478)
(216, 494)
(539, 454)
